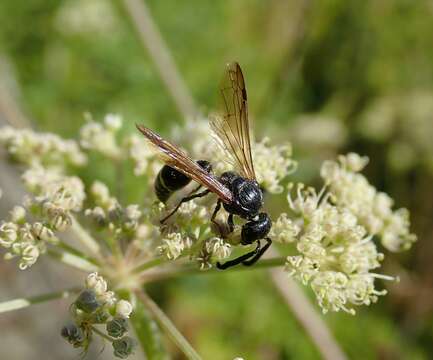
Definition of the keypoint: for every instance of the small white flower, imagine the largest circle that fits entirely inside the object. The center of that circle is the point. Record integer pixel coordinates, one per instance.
(97, 283)
(29, 255)
(113, 122)
(284, 230)
(133, 212)
(101, 138)
(44, 233)
(107, 298)
(272, 164)
(8, 234)
(123, 308)
(218, 248)
(102, 196)
(18, 214)
(172, 246)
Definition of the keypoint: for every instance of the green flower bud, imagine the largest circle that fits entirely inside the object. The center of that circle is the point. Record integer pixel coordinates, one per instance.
(117, 327)
(73, 334)
(87, 301)
(100, 317)
(124, 347)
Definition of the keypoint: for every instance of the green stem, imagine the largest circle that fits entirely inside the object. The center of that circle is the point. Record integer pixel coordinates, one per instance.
(168, 326)
(101, 334)
(22, 303)
(75, 261)
(70, 249)
(176, 271)
(162, 259)
(149, 264)
(148, 332)
(84, 237)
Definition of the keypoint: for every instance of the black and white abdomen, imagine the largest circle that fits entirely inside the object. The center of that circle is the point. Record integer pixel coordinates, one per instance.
(170, 180)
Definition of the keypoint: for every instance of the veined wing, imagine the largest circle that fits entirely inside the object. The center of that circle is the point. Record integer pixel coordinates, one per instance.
(232, 125)
(177, 159)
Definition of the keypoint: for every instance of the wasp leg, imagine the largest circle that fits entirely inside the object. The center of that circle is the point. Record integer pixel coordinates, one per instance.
(240, 259)
(184, 200)
(231, 223)
(214, 214)
(256, 257)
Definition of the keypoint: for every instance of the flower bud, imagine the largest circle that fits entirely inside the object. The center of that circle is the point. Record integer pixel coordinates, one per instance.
(18, 214)
(87, 301)
(117, 327)
(123, 347)
(97, 283)
(73, 334)
(123, 308)
(100, 316)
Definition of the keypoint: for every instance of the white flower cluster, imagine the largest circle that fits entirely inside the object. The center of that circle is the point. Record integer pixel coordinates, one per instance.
(214, 248)
(108, 211)
(52, 207)
(272, 164)
(373, 209)
(173, 244)
(107, 298)
(142, 155)
(101, 137)
(333, 233)
(336, 253)
(44, 149)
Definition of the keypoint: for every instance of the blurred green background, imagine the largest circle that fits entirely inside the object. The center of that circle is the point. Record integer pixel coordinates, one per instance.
(330, 76)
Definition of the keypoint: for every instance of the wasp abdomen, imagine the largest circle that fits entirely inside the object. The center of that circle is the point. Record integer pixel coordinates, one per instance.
(170, 180)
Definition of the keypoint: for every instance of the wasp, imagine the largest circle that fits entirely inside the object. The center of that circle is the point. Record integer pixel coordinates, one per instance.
(237, 191)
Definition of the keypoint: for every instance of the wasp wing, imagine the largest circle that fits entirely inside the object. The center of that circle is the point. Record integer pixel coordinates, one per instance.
(179, 160)
(232, 125)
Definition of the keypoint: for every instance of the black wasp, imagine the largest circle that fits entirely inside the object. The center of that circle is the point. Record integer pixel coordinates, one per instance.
(238, 192)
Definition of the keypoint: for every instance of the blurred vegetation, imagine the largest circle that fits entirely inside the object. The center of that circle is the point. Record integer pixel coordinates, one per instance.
(330, 76)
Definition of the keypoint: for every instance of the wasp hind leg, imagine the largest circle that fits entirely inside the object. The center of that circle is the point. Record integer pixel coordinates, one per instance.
(247, 259)
(239, 259)
(184, 200)
(259, 254)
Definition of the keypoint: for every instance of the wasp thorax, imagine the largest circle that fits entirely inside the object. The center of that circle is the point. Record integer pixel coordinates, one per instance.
(248, 197)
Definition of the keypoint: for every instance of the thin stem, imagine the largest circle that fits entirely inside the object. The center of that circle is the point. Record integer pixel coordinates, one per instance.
(152, 40)
(72, 260)
(163, 259)
(305, 313)
(70, 249)
(84, 237)
(149, 264)
(101, 334)
(168, 326)
(22, 303)
(176, 271)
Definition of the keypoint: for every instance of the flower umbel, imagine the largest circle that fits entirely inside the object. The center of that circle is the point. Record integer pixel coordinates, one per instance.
(103, 230)
(94, 307)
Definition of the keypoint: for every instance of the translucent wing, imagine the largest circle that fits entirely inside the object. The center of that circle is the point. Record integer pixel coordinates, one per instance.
(232, 125)
(177, 159)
